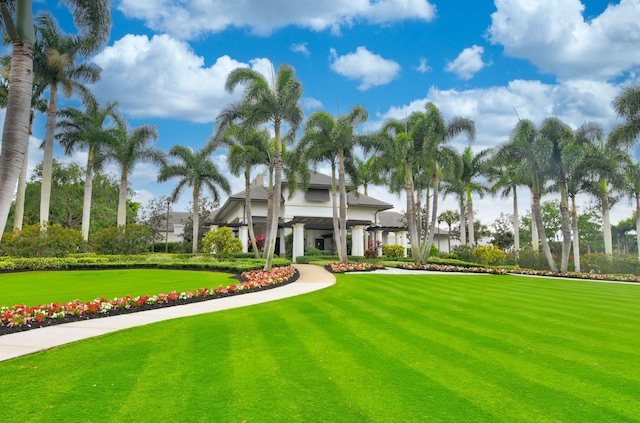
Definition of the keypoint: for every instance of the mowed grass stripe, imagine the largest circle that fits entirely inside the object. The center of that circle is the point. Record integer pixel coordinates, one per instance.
(363, 350)
(575, 324)
(466, 344)
(438, 362)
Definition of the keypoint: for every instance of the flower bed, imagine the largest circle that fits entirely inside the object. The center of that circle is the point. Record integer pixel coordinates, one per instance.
(353, 267)
(451, 268)
(22, 317)
(578, 275)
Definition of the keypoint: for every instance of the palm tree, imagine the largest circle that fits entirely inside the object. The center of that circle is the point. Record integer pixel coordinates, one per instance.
(37, 103)
(58, 61)
(449, 216)
(333, 140)
(130, 147)
(627, 105)
(196, 170)
(474, 167)
(453, 183)
(278, 104)
(561, 137)
(438, 134)
(633, 189)
(93, 19)
(246, 150)
(534, 153)
(368, 173)
(79, 129)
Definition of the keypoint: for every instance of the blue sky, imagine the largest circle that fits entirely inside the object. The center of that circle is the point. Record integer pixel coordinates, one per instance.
(167, 61)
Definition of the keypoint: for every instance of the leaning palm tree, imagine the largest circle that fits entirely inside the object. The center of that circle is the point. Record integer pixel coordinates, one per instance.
(246, 150)
(130, 147)
(276, 103)
(38, 103)
(87, 129)
(93, 20)
(195, 169)
(58, 61)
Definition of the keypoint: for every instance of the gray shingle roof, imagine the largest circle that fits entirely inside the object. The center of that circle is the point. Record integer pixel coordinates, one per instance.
(355, 199)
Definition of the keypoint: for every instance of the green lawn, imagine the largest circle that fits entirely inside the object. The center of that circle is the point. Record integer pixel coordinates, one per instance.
(477, 348)
(35, 288)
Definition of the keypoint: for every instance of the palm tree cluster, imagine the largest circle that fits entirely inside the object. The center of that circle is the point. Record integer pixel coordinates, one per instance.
(413, 156)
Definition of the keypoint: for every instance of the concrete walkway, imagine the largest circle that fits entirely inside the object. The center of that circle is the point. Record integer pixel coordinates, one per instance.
(312, 278)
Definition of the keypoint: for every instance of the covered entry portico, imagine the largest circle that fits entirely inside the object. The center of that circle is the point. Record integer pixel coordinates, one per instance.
(319, 234)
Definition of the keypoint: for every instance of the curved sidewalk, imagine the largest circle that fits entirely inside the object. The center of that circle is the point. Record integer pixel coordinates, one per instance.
(312, 278)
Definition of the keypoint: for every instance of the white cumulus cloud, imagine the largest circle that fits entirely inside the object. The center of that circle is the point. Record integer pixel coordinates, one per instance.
(468, 62)
(368, 68)
(192, 18)
(555, 36)
(300, 48)
(423, 67)
(163, 77)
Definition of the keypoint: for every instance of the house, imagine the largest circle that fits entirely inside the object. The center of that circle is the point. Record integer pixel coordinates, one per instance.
(308, 215)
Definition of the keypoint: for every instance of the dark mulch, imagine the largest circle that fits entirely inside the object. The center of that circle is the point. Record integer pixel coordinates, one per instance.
(4, 330)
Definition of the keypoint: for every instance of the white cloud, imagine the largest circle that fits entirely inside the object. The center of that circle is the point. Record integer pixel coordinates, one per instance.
(555, 37)
(423, 67)
(468, 62)
(310, 103)
(192, 18)
(300, 48)
(370, 69)
(163, 77)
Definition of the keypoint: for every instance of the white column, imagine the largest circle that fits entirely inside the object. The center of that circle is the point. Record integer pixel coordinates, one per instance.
(357, 240)
(398, 240)
(298, 240)
(243, 235)
(403, 241)
(283, 248)
(379, 238)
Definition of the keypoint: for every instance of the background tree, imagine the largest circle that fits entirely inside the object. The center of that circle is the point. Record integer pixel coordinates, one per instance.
(154, 216)
(627, 105)
(196, 170)
(93, 20)
(278, 104)
(474, 167)
(633, 191)
(449, 217)
(503, 232)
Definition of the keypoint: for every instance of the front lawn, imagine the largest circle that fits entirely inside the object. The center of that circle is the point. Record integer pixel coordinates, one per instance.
(35, 288)
(371, 348)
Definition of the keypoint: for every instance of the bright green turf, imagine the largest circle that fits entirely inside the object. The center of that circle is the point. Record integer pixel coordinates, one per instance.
(35, 288)
(477, 348)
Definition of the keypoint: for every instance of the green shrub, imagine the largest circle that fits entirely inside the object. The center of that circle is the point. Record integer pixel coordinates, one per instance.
(616, 264)
(224, 244)
(312, 251)
(172, 247)
(464, 252)
(56, 241)
(393, 251)
(132, 239)
(529, 259)
(489, 255)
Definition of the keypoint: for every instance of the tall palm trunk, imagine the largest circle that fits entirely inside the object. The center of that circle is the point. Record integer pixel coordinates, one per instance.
(248, 211)
(122, 197)
(196, 219)
(47, 161)
(535, 239)
(411, 217)
(277, 195)
(88, 192)
(470, 221)
(267, 236)
(15, 134)
(638, 222)
(565, 227)
(463, 222)
(516, 223)
(417, 208)
(537, 214)
(336, 220)
(432, 226)
(343, 207)
(18, 214)
(576, 235)
(606, 220)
